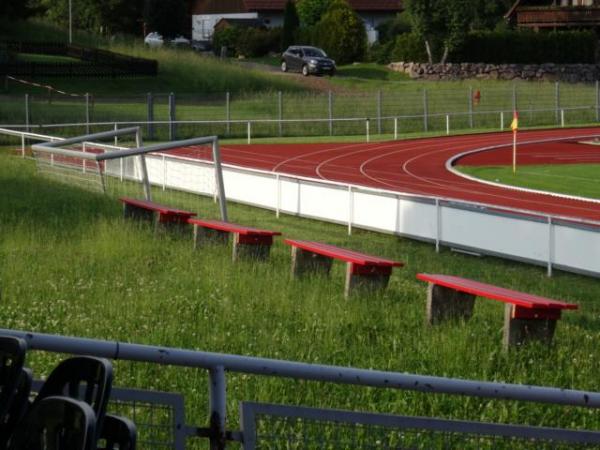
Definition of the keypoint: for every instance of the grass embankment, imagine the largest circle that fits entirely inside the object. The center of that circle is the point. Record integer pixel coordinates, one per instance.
(71, 265)
(179, 70)
(572, 179)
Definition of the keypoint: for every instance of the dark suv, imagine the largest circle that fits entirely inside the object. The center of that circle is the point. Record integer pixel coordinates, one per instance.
(307, 60)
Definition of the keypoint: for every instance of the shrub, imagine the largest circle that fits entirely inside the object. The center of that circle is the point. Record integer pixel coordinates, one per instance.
(341, 33)
(254, 42)
(380, 53)
(408, 47)
(226, 37)
(291, 22)
(526, 47)
(250, 42)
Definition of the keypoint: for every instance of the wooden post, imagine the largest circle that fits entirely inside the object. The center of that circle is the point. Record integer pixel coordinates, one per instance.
(444, 304)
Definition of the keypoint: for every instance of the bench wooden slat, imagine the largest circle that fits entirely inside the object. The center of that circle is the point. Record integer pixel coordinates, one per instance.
(162, 209)
(477, 288)
(332, 251)
(231, 227)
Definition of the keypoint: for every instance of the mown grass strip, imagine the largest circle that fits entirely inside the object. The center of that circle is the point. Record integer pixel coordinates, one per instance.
(572, 179)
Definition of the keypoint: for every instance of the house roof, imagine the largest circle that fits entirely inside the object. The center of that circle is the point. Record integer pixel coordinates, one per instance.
(512, 9)
(243, 23)
(242, 6)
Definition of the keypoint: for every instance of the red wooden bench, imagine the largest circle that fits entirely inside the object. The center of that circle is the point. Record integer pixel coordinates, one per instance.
(167, 217)
(363, 271)
(527, 317)
(247, 242)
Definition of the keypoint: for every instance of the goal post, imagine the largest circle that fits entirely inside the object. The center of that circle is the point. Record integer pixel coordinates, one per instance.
(173, 171)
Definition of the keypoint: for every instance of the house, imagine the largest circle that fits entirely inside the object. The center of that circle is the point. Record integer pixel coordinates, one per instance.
(555, 14)
(207, 13)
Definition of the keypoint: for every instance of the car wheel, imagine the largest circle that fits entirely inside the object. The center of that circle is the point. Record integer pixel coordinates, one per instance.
(305, 70)
(284, 67)
(332, 73)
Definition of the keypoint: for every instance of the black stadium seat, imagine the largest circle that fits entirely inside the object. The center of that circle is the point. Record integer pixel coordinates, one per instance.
(18, 407)
(82, 378)
(118, 433)
(56, 423)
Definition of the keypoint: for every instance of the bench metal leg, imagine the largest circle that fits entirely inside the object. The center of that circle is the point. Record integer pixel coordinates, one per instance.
(251, 247)
(305, 262)
(365, 279)
(444, 304)
(203, 236)
(133, 212)
(523, 325)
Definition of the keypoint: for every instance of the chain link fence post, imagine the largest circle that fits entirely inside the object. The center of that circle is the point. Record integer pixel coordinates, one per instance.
(470, 107)
(150, 115)
(330, 105)
(172, 118)
(280, 111)
(228, 112)
(27, 112)
(379, 111)
(425, 111)
(87, 113)
(597, 101)
(557, 101)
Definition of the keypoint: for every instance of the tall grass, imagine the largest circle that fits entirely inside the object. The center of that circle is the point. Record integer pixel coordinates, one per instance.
(69, 264)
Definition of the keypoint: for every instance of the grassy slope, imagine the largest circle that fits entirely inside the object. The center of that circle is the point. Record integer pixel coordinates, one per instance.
(182, 71)
(573, 179)
(71, 265)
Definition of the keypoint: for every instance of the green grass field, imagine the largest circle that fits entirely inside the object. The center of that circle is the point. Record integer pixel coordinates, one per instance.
(573, 179)
(70, 265)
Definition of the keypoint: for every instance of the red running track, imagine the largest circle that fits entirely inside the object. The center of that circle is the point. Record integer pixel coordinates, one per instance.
(419, 166)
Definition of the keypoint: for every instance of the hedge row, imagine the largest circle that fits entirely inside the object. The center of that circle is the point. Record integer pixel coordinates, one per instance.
(561, 47)
(502, 47)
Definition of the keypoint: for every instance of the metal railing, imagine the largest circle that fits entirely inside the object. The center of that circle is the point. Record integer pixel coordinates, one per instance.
(219, 364)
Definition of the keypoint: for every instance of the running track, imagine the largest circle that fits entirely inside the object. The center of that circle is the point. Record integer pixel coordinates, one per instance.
(419, 166)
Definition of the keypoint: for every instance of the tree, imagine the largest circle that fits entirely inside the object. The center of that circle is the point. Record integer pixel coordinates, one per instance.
(291, 22)
(15, 9)
(106, 16)
(167, 17)
(442, 25)
(342, 33)
(311, 11)
(489, 14)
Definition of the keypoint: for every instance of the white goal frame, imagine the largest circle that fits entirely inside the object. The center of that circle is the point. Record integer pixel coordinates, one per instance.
(57, 148)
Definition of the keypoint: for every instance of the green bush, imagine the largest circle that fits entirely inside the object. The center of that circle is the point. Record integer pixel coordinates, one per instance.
(341, 33)
(408, 47)
(253, 42)
(380, 53)
(526, 47)
(249, 42)
(226, 37)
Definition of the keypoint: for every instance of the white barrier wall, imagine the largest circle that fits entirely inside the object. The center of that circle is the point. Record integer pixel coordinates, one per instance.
(536, 239)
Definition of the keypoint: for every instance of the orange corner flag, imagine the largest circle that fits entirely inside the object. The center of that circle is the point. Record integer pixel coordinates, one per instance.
(515, 122)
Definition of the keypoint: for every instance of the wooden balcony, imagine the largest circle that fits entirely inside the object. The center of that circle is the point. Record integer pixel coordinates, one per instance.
(578, 16)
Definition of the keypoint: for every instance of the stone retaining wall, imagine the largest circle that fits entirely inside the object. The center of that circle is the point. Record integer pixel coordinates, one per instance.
(572, 73)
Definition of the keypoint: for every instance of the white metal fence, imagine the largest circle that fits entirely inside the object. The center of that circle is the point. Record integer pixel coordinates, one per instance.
(545, 240)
